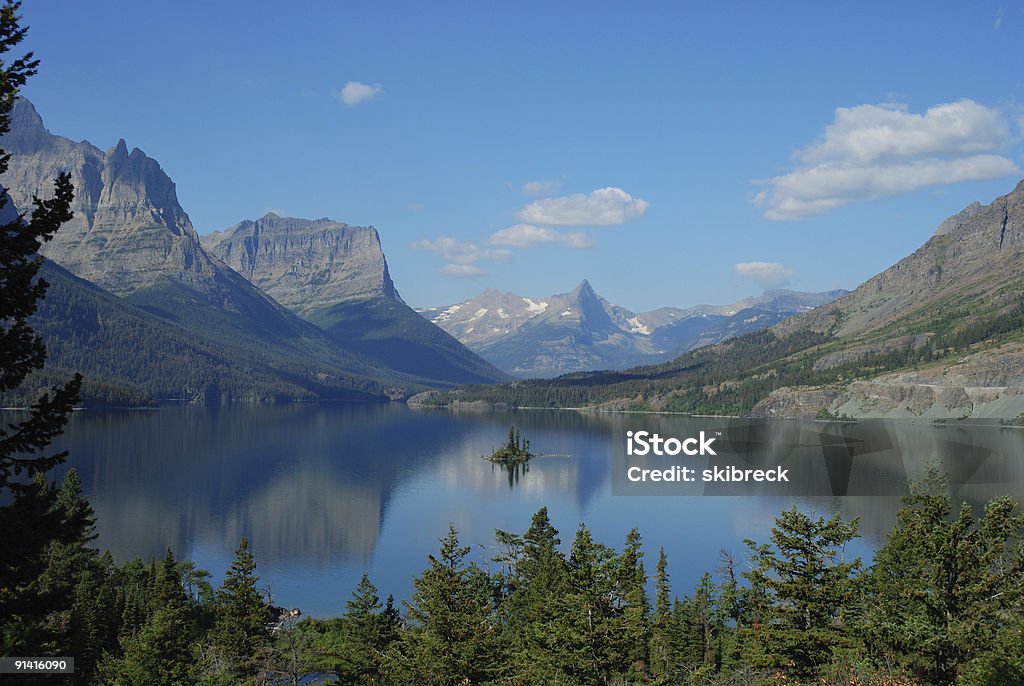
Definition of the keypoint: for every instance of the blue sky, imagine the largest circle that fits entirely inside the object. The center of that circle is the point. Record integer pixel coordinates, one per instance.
(672, 153)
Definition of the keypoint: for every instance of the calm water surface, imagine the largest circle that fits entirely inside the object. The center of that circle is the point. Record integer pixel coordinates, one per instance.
(326, 492)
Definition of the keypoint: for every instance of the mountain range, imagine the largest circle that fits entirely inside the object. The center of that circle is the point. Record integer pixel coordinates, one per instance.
(131, 238)
(282, 308)
(580, 330)
(939, 335)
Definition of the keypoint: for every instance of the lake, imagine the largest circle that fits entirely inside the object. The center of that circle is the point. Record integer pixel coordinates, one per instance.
(325, 492)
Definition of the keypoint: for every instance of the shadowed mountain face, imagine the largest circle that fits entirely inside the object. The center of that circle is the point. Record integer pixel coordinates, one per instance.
(336, 276)
(580, 330)
(130, 357)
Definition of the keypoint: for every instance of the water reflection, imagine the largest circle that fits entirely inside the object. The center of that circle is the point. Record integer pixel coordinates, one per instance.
(325, 492)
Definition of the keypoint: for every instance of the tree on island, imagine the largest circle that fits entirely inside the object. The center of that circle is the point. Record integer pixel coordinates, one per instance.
(516, 449)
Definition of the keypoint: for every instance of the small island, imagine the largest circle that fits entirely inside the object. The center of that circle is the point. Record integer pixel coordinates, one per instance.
(515, 451)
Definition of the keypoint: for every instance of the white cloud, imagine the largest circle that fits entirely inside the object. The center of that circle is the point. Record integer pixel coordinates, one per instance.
(540, 187)
(874, 150)
(816, 190)
(461, 252)
(353, 92)
(464, 271)
(767, 274)
(527, 235)
(601, 207)
(870, 133)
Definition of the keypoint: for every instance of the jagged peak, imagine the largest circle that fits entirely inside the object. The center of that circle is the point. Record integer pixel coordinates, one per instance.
(120, 150)
(584, 292)
(975, 209)
(959, 218)
(26, 113)
(27, 132)
(582, 289)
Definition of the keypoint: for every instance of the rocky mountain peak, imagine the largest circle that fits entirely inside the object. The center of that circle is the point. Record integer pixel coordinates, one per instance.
(306, 264)
(119, 152)
(954, 222)
(979, 248)
(578, 330)
(27, 133)
(128, 231)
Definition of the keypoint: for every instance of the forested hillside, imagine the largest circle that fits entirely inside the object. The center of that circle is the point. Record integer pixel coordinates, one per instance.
(130, 357)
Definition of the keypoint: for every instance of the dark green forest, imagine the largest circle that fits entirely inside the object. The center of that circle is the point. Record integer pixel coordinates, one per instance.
(130, 357)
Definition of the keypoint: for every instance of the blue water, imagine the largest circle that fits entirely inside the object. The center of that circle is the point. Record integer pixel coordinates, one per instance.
(326, 492)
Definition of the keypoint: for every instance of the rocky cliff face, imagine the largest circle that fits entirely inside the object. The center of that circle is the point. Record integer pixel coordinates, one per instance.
(128, 232)
(972, 255)
(306, 264)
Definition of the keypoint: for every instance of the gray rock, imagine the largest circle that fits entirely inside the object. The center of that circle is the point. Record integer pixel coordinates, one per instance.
(969, 271)
(128, 231)
(306, 264)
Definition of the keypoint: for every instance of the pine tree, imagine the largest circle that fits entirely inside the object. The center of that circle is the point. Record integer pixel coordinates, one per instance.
(453, 634)
(390, 621)
(590, 626)
(633, 606)
(240, 629)
(805, 586)
(661, 644)
(79, 581)
(732, 611)
(161, 653)
(94, 619)
(367, 632)
(29, 518)
(706, 627)
(946, 594)
(538, 602)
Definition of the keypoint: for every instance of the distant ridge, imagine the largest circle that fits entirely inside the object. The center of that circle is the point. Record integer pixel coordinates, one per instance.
(580, 330)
